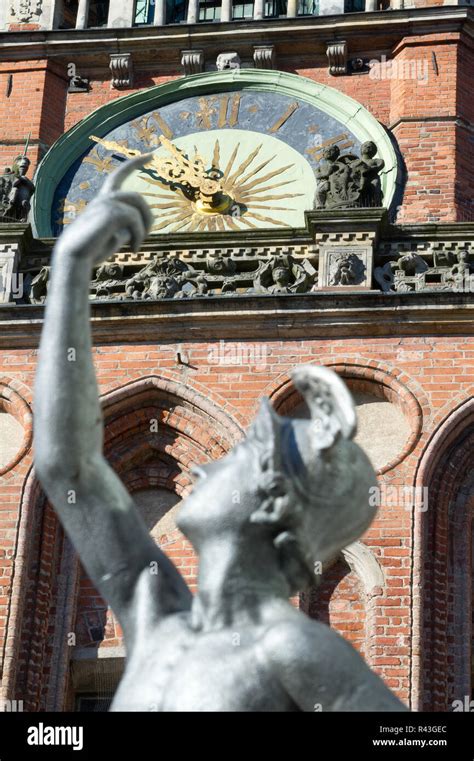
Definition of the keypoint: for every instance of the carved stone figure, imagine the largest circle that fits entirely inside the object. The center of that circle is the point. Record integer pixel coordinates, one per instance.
(16, 191)
(396, 276)
(346, 269)
(459, 277)
(327, 167)
(366, 175)
(303, 488)
(38, 289)
(78, 84)
(221, 265)
(228, 61)
(282, 275)
(166, 278)
(346, 181)
(26, 10)
(108, 279)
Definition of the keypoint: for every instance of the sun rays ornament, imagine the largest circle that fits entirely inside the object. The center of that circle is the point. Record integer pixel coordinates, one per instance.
(224, 180)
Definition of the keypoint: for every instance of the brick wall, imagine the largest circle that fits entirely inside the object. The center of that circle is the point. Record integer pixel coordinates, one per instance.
(429, 376)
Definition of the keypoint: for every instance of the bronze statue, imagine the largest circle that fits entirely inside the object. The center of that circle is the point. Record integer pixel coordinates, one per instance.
(290, 496)
(347, 181)
(16, 191)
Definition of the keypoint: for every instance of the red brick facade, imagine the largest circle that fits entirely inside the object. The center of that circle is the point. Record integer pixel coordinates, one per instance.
(415, 629)
(201, 412)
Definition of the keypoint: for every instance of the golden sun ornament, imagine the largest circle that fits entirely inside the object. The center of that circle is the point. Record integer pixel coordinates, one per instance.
(245, 189)
(246, 196)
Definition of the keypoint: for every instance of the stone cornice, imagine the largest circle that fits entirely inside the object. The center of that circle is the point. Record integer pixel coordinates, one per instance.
(316, 221)
(309, 316)
(364, 31)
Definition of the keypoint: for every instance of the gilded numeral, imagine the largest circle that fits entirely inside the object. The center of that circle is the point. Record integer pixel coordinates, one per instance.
(229, 107)
(284, 118)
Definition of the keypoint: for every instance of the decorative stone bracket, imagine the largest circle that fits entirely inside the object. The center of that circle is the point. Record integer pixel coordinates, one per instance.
(192, 62)
(264, 56)
(121, 66)
(337, 53)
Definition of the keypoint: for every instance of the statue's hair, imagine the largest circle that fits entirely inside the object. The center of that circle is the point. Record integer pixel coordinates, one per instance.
(290, 472)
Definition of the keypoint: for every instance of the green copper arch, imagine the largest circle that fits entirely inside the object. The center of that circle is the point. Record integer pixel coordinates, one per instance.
(73, 143)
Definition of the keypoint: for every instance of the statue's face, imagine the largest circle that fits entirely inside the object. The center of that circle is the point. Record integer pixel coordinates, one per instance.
(224, 496)
(23, 165)
(281, 276)
(337, 512)
(369, 149)
(332, 154)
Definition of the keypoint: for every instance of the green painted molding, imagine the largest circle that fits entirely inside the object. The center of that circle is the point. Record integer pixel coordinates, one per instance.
(102, 120)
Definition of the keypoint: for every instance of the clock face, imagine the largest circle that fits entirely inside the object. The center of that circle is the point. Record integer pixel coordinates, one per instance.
(229, 161)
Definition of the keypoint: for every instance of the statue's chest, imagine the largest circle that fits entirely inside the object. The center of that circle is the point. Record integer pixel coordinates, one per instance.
(220, 672)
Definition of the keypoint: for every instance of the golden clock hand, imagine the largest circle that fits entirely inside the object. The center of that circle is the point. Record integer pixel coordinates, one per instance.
(172, 171)
(111, 145)
(194, 171)
(177, 170)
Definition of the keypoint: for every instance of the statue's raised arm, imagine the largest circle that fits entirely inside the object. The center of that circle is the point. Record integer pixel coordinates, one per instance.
(95, 509)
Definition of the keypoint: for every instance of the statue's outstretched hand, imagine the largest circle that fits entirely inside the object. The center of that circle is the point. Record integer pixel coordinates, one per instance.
(114, 219)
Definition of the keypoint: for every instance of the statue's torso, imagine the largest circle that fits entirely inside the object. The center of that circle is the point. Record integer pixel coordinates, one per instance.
(174, 668)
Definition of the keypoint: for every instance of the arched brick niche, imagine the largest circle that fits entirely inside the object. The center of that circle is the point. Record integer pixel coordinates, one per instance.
(155, 430)
(15, 424)
(443, 588)
(346, 597)
(390, 415)
(56, 612)
(27, 672)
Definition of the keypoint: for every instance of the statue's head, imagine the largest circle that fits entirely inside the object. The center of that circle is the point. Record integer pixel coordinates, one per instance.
(22, 164)
(332, 153)
(281, 275)
(301, 486)
(369, 149)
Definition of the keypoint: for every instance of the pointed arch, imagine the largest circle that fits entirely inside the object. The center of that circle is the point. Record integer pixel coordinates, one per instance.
(442, 566)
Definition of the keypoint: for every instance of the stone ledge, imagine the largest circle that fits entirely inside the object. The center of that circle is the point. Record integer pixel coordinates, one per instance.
(314, 315)
(386, 25)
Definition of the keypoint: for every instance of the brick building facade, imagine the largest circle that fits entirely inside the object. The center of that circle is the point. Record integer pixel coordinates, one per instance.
(401, 336)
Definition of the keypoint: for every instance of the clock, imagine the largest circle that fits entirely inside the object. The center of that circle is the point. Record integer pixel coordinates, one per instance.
(230, 153)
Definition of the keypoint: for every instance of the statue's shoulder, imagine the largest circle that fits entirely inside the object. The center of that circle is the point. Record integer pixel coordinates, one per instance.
(299, 639)
(319, 670)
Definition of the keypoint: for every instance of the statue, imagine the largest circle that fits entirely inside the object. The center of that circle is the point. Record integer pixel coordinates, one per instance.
(345, 182)
(228, 61)
(393, 275)
(39, 285)
(303, 489)
(346, 269)
(282, 274)
(16, 191)
(166, 278)
(459, 278)
(108, 280)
